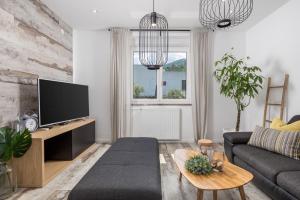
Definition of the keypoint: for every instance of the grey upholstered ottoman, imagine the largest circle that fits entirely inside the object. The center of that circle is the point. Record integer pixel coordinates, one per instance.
(129, 170)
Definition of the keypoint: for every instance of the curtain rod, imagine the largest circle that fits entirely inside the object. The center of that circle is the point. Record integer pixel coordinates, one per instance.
(170, 30)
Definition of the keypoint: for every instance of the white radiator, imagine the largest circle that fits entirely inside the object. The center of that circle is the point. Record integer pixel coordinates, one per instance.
(160, 123)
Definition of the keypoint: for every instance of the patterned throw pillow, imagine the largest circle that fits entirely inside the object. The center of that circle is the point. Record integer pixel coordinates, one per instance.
(287, 144)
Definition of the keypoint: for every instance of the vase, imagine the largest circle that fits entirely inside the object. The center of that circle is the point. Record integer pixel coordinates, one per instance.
(7, 181)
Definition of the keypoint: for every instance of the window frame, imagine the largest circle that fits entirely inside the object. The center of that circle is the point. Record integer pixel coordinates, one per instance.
(159, 100)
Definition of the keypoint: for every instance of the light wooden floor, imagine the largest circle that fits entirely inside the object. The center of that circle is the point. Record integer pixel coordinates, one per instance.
(59, 188)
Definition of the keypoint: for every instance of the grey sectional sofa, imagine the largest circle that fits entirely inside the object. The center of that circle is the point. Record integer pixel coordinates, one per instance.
(129, 170)
(277, 175)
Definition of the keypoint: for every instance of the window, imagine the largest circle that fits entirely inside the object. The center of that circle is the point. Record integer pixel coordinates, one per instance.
(168, 85)
(174, 76)
(144, 85)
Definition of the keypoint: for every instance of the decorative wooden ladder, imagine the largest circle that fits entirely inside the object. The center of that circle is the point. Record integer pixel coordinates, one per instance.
(284, 88)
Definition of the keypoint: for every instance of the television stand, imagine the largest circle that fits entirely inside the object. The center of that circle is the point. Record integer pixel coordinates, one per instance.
(61, 124)
(68, 122)
(53, 150)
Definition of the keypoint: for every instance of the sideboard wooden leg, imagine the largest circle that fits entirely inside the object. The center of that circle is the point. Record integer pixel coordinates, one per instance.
(242, 193)
(215, 195)
(200, 194)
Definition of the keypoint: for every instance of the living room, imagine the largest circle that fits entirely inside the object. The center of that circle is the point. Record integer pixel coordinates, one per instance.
(149, 99)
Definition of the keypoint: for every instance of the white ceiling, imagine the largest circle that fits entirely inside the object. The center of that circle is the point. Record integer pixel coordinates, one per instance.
(127, 13)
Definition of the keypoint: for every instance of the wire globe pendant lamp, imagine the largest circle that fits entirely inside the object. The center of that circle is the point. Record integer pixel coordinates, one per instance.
(220, 14)
(153, 40)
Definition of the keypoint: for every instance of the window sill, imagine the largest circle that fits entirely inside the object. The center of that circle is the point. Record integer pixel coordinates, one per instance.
(161, 104)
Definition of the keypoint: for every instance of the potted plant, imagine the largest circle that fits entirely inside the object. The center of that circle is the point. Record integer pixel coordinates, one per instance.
(13, 144)
(199, 165)
(238, 81)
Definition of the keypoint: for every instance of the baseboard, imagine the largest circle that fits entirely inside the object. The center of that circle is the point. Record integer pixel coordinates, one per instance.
(177, 141)
(108, 141)
(103, 141)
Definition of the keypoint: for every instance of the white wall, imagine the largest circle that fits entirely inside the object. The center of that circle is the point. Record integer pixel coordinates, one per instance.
(222, 111)
(91, 67)
(274, 45)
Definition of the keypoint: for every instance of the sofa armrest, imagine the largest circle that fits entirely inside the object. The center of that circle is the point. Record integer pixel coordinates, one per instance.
(234, 138)
(237, 137)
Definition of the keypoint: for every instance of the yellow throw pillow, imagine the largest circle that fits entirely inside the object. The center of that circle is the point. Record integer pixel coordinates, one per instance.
(278, 124)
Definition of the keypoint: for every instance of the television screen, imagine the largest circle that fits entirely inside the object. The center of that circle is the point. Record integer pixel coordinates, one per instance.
(61, 102)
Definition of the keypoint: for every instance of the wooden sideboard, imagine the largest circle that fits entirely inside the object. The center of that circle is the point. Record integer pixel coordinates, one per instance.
(52, 151)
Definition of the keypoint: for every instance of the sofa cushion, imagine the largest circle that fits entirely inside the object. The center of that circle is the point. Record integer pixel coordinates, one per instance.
(264, 138)
(283, 142)
(268, 187)
(290, 181)
(278, 124)
(269, 164)
(294, 119)
(122, 182)
(135, 144)
(237, 137)
(129, 158)
(130, 169)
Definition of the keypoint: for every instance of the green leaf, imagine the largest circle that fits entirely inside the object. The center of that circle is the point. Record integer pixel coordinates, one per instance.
(6, 151)
(13, 143)
(22, 142)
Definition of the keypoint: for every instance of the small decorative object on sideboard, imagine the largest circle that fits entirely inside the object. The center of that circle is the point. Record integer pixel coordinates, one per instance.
(29, 121)
(13, 144)
(199, 165)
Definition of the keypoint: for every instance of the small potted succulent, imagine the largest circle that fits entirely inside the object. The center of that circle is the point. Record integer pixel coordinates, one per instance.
(13, 144)
(199, 165)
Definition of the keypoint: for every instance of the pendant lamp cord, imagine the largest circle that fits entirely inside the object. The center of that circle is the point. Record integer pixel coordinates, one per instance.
(153, 5)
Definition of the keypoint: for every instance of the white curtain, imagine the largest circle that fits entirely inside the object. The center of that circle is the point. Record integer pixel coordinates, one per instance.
(201, 57)
(120, 82)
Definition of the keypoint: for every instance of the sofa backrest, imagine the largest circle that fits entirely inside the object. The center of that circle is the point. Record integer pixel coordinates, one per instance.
(294, 119)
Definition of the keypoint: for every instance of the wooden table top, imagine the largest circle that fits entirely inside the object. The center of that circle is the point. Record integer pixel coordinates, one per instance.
(231, 177)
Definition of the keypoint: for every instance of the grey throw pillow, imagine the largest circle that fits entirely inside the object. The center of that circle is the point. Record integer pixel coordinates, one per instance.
(282, 142)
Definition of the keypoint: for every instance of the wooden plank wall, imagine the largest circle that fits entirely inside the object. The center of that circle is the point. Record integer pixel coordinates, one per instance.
(34, 42)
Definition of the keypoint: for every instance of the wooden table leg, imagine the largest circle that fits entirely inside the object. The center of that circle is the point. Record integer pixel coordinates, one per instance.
(242, 193)
(199, 194)
(180, 176)
(215, 194)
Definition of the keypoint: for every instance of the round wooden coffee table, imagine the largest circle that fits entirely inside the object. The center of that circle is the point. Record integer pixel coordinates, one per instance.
(231, 177)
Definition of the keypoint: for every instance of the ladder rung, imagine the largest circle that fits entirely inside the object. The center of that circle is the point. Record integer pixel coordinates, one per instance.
(278, 86)
(274, 104)
(269, 121)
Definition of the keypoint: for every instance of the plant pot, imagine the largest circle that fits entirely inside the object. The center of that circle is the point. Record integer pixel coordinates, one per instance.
(7, 181)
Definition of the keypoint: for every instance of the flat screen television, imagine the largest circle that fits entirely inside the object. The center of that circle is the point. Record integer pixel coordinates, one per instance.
(61, 102)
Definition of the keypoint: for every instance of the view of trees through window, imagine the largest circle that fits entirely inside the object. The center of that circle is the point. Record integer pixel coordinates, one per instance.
(173, 74)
